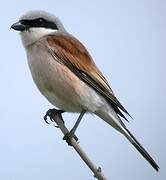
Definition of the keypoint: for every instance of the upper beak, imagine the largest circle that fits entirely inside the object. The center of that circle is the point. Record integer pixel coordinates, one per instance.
(18, 26)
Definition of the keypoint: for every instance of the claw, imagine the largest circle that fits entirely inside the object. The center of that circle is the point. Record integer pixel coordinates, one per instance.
(51, 113)
(68, 137)
(45, 118)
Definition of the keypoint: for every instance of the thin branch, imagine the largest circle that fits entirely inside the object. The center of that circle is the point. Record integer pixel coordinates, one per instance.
(97, 171)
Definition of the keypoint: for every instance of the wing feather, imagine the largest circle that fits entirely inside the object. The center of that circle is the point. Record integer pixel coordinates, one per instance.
(74, 55)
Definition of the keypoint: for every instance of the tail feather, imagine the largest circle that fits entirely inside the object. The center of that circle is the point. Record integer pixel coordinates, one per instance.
(140, 148)
(112, 118)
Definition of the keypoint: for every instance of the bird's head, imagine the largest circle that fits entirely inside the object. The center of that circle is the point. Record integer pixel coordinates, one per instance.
(35, 24)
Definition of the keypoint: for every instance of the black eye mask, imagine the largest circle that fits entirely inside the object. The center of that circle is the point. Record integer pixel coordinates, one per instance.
(39, 22)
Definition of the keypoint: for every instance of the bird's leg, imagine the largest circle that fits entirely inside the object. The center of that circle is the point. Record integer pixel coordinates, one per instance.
(51, 114)
(73, 130)
(71, 134)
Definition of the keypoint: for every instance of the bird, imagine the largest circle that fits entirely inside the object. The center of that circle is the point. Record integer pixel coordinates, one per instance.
(66, 74)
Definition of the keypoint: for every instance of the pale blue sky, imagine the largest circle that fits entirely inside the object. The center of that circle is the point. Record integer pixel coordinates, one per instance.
(127, 40)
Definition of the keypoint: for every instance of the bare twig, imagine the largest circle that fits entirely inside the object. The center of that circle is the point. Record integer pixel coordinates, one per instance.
(97, 171)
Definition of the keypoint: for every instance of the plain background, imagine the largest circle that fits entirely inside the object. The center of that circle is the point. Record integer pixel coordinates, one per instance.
(127, 40)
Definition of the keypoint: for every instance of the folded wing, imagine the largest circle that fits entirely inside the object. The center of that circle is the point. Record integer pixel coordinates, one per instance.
(74, 55)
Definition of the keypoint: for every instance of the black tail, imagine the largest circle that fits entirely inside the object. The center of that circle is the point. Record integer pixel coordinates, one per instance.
(140, 148)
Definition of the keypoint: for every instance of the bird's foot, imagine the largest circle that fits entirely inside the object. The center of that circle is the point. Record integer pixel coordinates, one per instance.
(69, 136)
(51, 113)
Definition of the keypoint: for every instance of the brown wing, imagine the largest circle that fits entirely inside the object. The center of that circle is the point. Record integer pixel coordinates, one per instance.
(74, 55)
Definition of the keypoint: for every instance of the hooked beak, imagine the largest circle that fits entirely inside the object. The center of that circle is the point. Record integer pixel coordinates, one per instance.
(18, 26)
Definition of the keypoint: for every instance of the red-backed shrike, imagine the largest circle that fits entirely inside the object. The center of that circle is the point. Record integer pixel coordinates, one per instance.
(66, 74)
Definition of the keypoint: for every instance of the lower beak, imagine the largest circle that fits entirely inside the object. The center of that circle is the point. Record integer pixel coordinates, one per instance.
(18, 26)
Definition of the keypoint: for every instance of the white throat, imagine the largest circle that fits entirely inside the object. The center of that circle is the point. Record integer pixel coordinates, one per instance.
(33, 34)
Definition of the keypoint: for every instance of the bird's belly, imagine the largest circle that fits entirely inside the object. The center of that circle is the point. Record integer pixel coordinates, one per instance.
(60, 86)
(61, 103)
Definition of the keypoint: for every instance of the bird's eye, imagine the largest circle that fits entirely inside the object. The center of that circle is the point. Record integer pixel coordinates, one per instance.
(40, 20)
